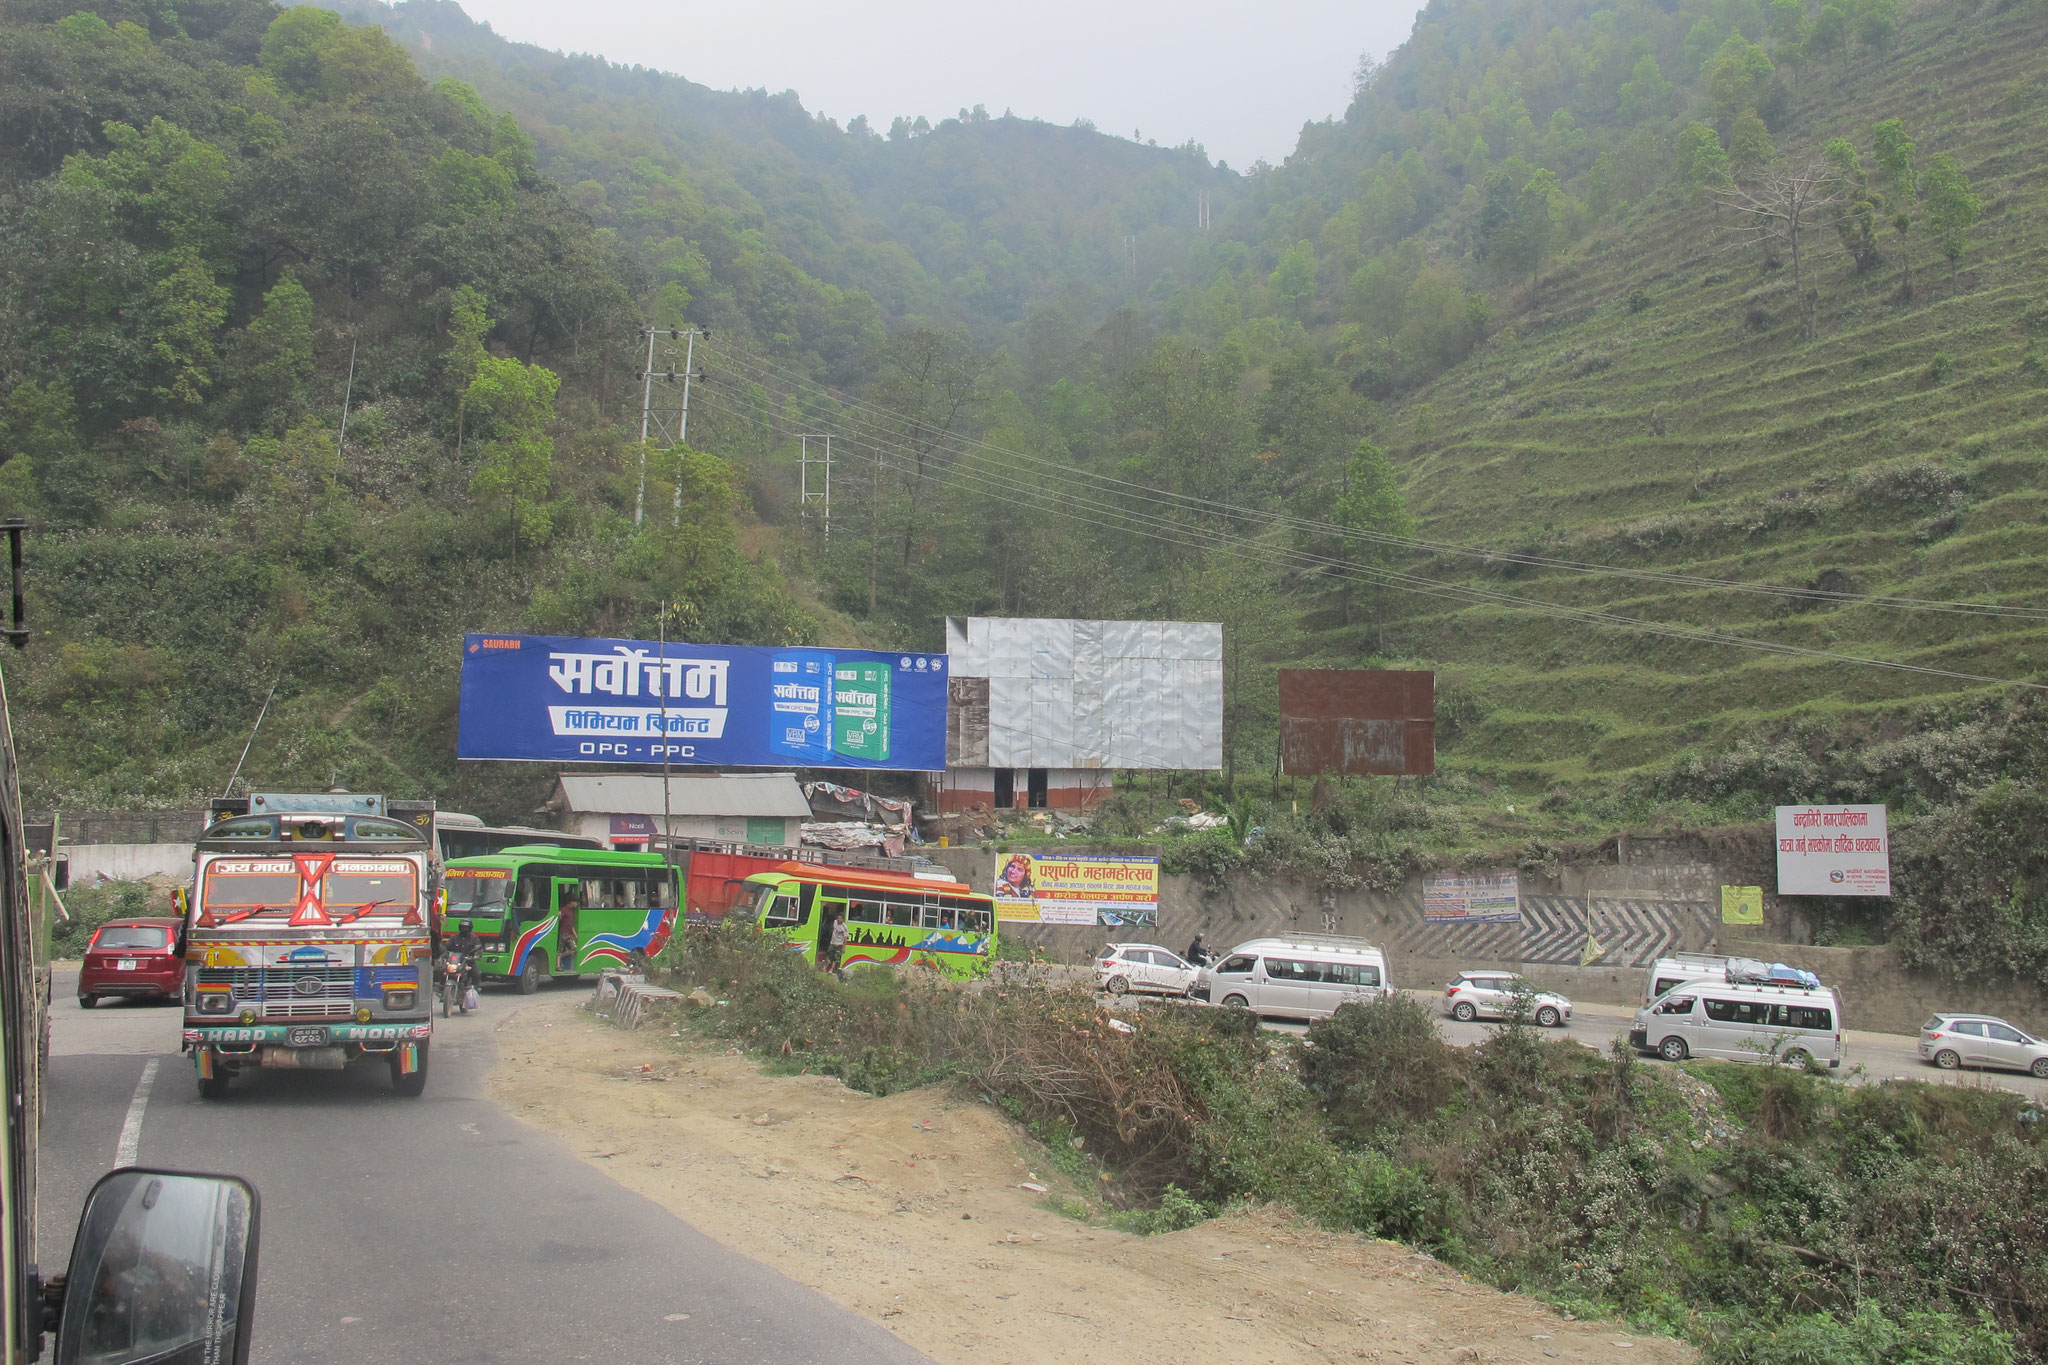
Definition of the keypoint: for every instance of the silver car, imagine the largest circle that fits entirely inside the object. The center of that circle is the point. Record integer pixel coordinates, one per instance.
(1495, 994)
(1953, 1040)
(1144, 967)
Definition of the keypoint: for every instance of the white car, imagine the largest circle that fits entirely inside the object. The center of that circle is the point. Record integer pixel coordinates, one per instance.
(1122, 967)
(1493, 994)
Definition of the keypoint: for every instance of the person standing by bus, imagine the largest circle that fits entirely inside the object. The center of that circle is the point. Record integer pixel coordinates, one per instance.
(565, 927)
(838, 940)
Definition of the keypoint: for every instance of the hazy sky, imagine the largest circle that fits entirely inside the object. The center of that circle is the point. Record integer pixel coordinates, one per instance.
(1238, 78)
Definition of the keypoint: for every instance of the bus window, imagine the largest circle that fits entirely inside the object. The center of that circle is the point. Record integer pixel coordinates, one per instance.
(902, 913)
(949, 915)
(532, 893)
(971, 917)
(781, 912)
(864, 911)
(807, 901)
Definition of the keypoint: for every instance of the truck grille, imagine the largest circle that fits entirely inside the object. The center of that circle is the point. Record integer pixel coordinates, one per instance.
(288, 992)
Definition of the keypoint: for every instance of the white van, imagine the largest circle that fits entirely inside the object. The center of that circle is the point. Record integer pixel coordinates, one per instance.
(1742, 1023)
(1680, 968)
(1302, 976)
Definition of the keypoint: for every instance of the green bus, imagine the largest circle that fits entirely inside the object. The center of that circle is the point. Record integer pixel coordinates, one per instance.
(542, 910)
(890, 917)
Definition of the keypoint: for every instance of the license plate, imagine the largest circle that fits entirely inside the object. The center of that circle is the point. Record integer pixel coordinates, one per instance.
(126, 964)
(307, 1037)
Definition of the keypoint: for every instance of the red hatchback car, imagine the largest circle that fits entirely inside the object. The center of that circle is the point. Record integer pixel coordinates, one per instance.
(143, 958)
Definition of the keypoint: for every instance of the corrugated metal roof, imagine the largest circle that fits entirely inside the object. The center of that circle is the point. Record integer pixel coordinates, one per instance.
(717, 794)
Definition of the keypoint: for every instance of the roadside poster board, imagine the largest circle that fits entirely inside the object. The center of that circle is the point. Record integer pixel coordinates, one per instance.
(1472, 898)
(1116, 890)
(1834, 851)
(555, 699)
(1742, 905)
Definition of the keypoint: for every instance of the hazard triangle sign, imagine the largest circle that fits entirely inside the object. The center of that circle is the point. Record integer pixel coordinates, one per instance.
(312, 872)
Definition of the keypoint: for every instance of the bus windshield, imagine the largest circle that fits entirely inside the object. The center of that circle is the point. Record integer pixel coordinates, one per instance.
(484, 891)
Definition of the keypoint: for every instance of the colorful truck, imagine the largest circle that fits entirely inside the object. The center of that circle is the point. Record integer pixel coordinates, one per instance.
(542, 910)
(307, 942)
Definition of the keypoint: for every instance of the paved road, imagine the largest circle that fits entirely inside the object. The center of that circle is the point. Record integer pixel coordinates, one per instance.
(437, 1229)
(1881, 1056)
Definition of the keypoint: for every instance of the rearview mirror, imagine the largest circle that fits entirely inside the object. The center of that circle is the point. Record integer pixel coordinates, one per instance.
(163, 1272)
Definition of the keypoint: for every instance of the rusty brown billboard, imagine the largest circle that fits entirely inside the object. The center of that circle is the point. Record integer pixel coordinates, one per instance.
(1357, 722)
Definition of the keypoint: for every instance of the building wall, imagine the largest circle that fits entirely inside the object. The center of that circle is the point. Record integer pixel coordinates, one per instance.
(1065, 788)
(739, 828)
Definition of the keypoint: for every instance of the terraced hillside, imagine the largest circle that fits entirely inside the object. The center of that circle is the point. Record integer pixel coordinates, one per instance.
(1654, 406)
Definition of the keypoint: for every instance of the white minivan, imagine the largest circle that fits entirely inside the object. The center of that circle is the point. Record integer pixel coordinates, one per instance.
(1742, 1023)
(1303, 976)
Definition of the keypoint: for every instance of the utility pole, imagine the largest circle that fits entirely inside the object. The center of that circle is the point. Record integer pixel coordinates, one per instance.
(671, 425)
(668, 857)
(1202, 211)
(806, 494)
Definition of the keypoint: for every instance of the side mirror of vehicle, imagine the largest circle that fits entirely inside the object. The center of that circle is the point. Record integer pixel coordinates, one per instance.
(163, 1269)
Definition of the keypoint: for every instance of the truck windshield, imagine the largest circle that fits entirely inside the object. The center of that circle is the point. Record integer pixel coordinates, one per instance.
(478, 893)
(356, 888)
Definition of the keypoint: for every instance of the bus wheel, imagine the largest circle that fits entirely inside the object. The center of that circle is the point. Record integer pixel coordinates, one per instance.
(529, 975)
(413, 1086)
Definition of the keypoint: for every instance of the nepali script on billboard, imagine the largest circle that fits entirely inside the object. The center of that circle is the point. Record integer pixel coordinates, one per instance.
(551, 699)
(1101, 889)
(1834, 851)
(1472, 898)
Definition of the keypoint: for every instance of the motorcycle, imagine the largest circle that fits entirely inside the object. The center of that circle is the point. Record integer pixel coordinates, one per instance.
(454, 980)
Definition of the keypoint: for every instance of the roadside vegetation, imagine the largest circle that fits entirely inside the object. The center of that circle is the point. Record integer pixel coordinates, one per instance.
(1772, 1217)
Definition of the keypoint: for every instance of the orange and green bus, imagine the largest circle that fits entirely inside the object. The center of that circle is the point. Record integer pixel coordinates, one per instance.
(890, 917)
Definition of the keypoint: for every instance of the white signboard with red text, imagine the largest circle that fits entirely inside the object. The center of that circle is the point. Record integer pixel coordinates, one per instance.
(1833, 851)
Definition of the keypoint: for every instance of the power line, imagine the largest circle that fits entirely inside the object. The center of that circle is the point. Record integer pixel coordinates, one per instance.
(766, 369)
(1129, 522)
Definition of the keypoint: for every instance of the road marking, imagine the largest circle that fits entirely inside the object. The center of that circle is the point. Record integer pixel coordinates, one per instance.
(131, 1127)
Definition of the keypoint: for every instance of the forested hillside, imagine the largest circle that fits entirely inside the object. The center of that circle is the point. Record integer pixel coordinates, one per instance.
(1519, 369)
(229, 230)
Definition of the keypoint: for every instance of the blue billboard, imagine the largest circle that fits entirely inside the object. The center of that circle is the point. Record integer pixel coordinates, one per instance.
(553, 699)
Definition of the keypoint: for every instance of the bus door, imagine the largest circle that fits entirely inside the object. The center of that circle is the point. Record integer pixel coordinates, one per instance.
(568, 931)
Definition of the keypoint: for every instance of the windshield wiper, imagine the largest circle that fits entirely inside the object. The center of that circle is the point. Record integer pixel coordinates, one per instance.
(360, 911)
(245, 914)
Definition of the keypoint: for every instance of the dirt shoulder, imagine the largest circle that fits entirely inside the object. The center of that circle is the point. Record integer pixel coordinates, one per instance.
(911, 1210)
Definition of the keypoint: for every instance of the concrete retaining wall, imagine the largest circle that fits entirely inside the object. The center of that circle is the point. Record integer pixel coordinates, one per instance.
(129, 862)
(1656, 896)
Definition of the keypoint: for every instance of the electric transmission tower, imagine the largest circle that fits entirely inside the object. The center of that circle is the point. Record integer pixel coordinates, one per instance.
(815, 491)
(672, 424)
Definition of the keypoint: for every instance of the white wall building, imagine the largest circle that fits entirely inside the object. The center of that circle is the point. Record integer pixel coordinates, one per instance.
(625, 809)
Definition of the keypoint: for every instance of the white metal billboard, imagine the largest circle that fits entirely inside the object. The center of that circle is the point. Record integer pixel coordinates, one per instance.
(1093, 694)
(1834, 851)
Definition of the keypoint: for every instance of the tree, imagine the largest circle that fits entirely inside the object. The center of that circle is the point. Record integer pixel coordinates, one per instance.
(1779, 209)
(1646, 94)
(1371, 503)
(1293, 281)
(469, 323)
(1750, 148)
(1737, 77)
(1248, 599)
(1952, 207)
(932, 381)
(1701, 162)
(273, 357)
(1901, 189)
(186, 309)
(513, 404)
(1876, 24)
(1855, 216)
(1830, 32)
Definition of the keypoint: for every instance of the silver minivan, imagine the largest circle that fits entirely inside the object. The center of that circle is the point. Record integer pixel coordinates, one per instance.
(1304, 976)
(1742, 1023)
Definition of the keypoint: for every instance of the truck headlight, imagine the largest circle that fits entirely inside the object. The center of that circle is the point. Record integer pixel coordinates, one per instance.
(400, 1000)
